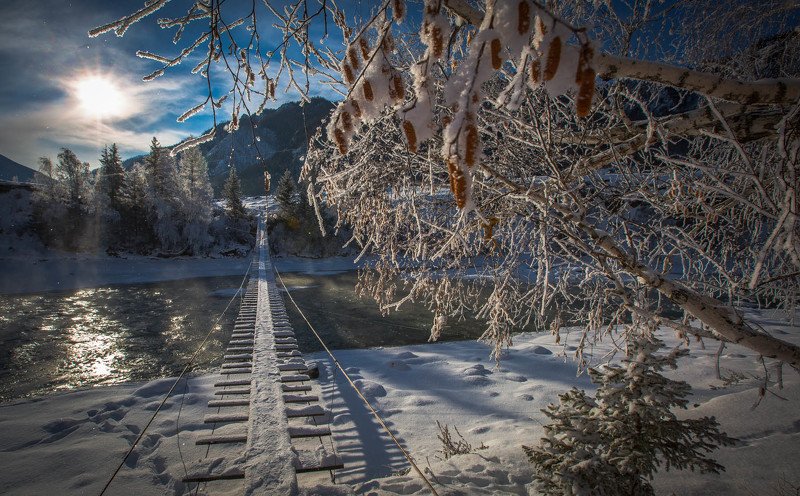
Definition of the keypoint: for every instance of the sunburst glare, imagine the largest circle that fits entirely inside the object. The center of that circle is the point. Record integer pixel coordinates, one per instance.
(99, 96)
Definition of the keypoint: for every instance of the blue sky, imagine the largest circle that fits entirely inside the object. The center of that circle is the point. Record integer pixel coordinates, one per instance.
(45, 55)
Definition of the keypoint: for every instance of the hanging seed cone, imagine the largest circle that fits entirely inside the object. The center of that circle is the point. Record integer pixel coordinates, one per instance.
(348, 73)
(368, 91)
(536, 70)
(411, 136)
(472, 141)
(341, 141)
(497, 61)
(524, 17)
(553, 59)
(352, 56)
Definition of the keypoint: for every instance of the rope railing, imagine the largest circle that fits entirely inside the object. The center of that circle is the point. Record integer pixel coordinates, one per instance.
(186, 368)
(366, 402)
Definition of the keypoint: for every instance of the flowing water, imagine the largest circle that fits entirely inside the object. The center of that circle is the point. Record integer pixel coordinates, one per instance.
(108, 335)
(59, 341)
(344, 320)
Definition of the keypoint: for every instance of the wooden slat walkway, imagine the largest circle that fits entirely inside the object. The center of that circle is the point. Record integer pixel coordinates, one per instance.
(263, 366)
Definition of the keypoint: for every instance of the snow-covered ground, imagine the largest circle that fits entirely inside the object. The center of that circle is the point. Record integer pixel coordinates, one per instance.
(70, 443)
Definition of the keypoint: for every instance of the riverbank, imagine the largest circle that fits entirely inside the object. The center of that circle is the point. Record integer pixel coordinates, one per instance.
(71, 272)
(65, 272)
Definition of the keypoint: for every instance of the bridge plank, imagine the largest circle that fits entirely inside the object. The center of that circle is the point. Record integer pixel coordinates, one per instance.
(221, 439)
(225, 417)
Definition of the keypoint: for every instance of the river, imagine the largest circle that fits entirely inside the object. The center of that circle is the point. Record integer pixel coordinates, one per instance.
(59, 341)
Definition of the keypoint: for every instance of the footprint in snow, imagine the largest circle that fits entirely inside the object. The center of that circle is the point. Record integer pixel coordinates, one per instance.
(516, 378)
(398, 365)
(476, 370)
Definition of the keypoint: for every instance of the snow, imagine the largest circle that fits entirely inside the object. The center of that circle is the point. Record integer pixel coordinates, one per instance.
(70, 443)
(457, 384)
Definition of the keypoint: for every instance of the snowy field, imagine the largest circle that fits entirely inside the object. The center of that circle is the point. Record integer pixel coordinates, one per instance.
(70, 443)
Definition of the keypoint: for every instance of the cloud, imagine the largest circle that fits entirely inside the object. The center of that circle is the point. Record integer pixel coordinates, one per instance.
(46, 52)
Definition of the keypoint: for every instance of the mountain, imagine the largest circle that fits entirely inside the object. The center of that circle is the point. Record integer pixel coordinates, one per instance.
(278, 134)
(10, 170)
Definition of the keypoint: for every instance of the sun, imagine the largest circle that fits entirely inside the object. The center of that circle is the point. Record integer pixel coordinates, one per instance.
(99, 96)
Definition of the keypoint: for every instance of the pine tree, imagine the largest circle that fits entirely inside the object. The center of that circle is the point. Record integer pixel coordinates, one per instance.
(165, 199)
(152, 160)
(613, 444)
(197, 196)
(286, 195)
(194, 175)
(566, 459)
(135, 208)
(233, 195)
(160, 170)
(111, 175)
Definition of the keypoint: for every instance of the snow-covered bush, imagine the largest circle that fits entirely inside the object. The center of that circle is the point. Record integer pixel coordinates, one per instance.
(614, 443)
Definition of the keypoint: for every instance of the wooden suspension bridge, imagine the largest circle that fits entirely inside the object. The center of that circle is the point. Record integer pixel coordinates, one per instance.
(266, 423)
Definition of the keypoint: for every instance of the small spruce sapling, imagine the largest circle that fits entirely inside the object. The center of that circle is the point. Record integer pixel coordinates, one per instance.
(615, 442)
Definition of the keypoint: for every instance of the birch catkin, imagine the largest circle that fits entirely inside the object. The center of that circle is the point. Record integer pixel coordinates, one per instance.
(524, 19)
(536, 69)
(411, 136)
(398, 10)
(352, 56)
(496, 47)
(472, 141)
(584, 78)
(553, 59)
(356, 109)
(438, 42)
(347, 121)
(341, 141)
(398, 90)
(458, 183)
(348, 73)
(368, 91)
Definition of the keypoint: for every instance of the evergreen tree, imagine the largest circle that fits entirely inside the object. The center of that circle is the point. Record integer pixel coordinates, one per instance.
(152, 161)
(194, 175)
(111, 175)
(233, 195)
(135, 210)
(165, 198)
(613, 444)
(197, 197)
(161, 171)
(286, 195)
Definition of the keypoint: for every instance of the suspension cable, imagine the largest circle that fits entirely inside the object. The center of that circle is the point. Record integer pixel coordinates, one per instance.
(375, 414)
(175, 384)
